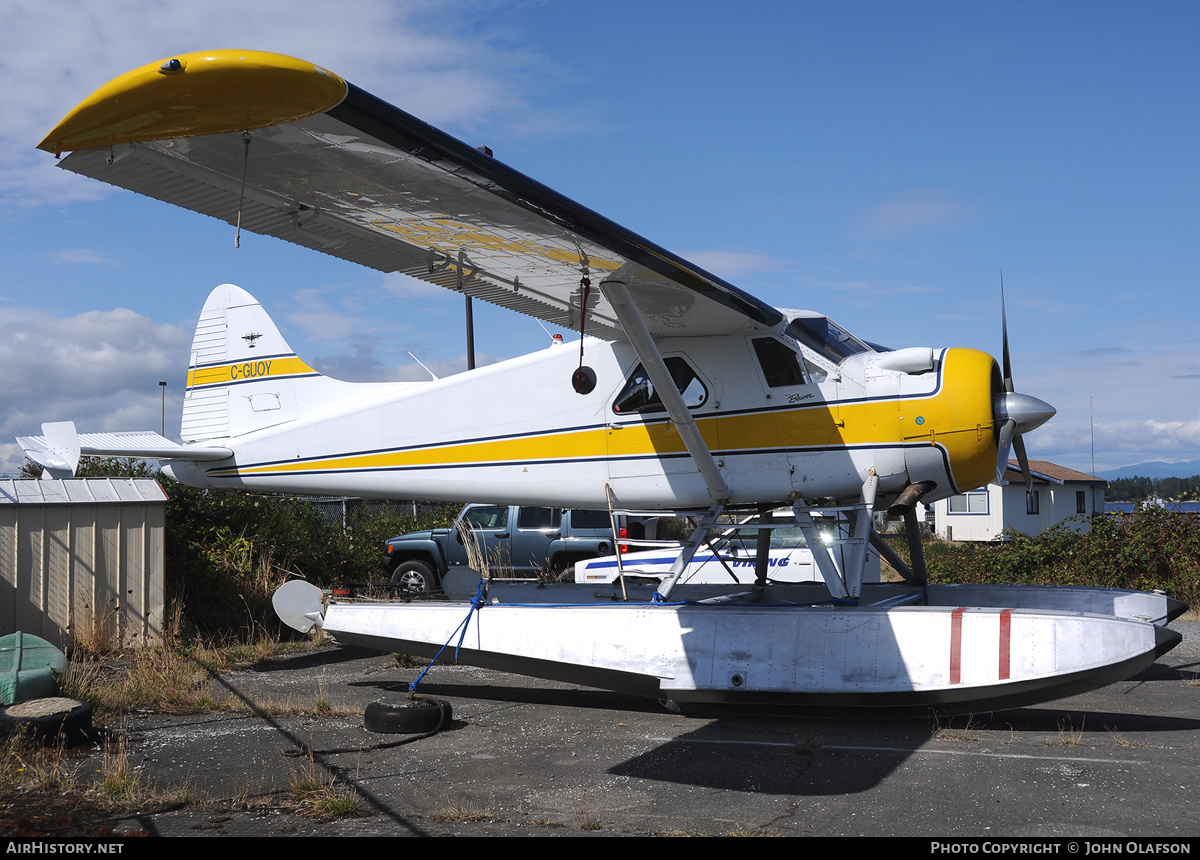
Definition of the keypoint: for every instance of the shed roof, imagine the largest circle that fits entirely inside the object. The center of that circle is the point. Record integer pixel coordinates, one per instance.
(81, 491)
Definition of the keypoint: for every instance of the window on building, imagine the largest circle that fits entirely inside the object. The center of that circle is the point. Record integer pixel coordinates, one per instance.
(1031, 502)
(974, 502)
(1080, 502)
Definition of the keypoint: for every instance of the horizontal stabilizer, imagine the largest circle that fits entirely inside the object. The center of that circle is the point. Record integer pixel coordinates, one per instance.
(59, 448)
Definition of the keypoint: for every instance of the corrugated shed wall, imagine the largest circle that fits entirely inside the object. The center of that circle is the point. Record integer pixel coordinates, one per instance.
(85, 566)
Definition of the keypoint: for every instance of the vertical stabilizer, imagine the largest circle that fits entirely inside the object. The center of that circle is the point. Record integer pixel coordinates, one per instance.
(242, 375)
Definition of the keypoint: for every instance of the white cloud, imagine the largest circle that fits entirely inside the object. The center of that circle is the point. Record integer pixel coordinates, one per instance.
(733, 265)
(887, 288)
(441, 367)
(403, 286)
(52, 55)
(917, 213)
(98, 369)
(87, 256)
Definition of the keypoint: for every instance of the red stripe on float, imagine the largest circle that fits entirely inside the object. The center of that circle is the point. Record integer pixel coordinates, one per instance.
(956, 646)
(1005, 641)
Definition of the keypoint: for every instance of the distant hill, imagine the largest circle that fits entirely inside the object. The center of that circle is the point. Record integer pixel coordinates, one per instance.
(1157, 469)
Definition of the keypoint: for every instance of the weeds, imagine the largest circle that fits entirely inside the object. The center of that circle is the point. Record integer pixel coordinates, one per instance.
(315, 794)
(457, 810)
(167, 679)
(587, 812)
(969, 731)
(1120, 740)
(749, 831)
(25, 764)
(118, 779)
(1068, 736)
(322, 704)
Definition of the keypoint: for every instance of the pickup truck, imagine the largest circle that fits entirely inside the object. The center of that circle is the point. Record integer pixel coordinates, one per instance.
(519, 542)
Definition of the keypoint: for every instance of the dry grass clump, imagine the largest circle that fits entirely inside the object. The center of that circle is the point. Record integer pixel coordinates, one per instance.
(118, 779)
(168, 678)
(26, 764)
(320, 795)
(460, 809)
(588, 812)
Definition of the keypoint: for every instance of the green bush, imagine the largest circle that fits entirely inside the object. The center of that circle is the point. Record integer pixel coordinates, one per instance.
(227, 551)
(1151, 548)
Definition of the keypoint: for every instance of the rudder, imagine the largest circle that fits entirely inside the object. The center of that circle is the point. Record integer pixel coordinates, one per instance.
(242, 374)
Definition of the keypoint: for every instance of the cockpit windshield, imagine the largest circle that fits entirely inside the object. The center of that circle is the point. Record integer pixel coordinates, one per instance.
(826, 337)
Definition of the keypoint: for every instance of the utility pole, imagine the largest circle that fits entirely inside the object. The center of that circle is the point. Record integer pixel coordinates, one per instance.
(163, 385)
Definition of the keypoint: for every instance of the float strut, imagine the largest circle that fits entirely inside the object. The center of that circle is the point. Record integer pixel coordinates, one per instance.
(762, 549)
(915, 550)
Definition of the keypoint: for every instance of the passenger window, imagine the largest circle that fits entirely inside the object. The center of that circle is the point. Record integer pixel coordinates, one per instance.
(639, 395)
(780, 366)
(539, 518)
(590, 519)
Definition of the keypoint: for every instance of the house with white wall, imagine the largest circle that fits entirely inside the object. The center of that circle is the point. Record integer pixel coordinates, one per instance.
(1058, 494)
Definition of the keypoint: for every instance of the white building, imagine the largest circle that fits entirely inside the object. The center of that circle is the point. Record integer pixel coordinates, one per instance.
(1058, 494)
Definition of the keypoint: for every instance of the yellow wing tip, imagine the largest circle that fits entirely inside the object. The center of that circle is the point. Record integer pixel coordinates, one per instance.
(207, 92)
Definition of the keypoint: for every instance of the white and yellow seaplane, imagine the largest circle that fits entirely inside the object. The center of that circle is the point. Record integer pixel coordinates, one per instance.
(684, 392)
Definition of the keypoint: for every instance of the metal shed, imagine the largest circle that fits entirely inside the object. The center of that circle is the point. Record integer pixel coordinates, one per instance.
(82, 559)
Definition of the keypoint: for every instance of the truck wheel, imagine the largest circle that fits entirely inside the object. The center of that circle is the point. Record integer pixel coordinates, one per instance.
(417, 577)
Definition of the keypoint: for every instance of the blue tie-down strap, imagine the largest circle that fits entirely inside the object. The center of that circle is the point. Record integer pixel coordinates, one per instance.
(477, 602)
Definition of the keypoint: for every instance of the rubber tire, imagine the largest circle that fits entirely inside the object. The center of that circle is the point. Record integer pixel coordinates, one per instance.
(418, 716)
(416, 576)
(46, 719)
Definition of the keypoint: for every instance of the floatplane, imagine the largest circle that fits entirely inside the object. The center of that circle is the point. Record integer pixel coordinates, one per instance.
(684, 393)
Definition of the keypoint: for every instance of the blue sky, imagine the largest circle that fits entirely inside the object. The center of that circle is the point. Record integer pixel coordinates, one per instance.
(880, 162)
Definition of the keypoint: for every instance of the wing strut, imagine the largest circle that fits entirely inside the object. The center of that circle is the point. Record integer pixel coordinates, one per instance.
(631, 321)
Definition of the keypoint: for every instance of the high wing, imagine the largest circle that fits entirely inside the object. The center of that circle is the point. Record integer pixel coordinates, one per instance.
(288, 149)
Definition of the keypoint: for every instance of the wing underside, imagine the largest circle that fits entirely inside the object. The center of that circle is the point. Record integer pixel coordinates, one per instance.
(367, 182)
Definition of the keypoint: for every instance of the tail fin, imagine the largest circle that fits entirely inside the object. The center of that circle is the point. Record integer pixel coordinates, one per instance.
(242, 376)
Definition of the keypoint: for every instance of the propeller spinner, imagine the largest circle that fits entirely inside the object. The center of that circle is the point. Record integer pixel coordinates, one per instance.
(1016, 414)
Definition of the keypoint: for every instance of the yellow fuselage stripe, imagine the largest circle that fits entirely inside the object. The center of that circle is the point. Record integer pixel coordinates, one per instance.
(240, 371)
(958, 418)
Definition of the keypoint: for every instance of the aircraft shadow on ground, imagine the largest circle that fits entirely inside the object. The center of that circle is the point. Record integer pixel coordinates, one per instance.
(803, 757)
(324, 657)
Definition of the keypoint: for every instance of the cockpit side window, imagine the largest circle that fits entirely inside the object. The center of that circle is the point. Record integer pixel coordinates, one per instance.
(780, 366)
(826, 338)
(639, 395)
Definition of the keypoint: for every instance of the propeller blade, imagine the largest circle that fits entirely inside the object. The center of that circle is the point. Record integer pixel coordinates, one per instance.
(1008, 380)
(1015, 413)
(1006, 435)
(1019, 444)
